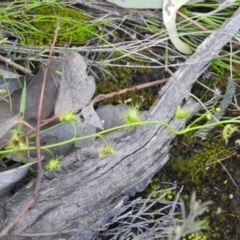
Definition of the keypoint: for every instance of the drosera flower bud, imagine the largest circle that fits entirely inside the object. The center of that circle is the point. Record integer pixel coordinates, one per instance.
(208, 116)
(52, 164)
(107, 151)
(217, 109)
(132, 115)
(68, 116)
(16, 143)
(228, 131)
(181, 113)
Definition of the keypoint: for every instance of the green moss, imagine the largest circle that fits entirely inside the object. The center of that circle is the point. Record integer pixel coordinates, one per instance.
(115, 78)
(153, 185)
(198, 158)
(74, 26)
(195, 236)
(195, 165)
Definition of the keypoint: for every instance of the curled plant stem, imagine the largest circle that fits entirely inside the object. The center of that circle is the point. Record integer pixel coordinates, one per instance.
(124, 126)
(98, 98)
(170, 128)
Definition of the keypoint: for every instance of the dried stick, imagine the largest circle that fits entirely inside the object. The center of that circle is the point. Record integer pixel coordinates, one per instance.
(37, 131)
(26, 124)
(10, 62)
(138, 87)
(102, 97)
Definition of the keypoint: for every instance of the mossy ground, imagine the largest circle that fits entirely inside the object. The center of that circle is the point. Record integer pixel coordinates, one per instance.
(210, 168)
(195, 165)
(115, 78)
(75, 26)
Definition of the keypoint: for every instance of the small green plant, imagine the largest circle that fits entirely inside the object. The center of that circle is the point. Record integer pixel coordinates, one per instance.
(52, 164)
(132, 115)
(182, 113)
(107, 151)
(16, 143)
(68, 116)
(228, 131)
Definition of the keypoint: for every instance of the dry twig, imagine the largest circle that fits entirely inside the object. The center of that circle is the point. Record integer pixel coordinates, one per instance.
(10, 62)
(37, 131)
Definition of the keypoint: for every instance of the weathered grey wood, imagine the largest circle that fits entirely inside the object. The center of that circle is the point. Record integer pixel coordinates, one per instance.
(81, 196)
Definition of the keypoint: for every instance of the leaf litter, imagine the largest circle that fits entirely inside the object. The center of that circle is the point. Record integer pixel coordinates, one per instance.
(75, 92)
(50, 92)
(76, 88)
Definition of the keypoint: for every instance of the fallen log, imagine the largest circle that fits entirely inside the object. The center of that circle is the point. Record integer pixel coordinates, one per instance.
(76, 200)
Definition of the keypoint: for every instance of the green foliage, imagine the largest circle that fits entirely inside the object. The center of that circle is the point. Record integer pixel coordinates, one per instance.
(75, 27)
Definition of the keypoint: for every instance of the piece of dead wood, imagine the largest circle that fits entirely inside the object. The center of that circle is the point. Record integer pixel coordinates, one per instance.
(75, 201)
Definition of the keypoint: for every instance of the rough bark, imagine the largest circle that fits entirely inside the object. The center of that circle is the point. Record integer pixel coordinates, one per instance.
(78, 199)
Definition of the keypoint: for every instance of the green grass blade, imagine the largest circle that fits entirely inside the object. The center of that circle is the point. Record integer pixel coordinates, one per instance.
(22, 106)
